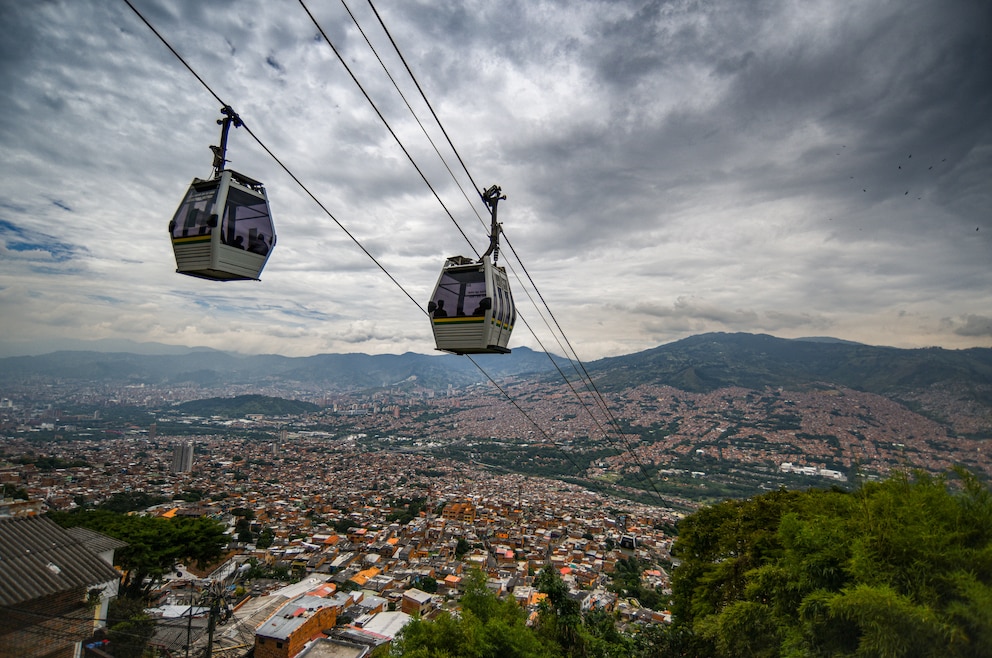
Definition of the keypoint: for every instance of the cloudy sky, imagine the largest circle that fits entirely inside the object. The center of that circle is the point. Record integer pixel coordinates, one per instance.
(814, 168)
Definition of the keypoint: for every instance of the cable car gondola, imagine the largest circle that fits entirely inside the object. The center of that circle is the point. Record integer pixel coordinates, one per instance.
(223, 228)
(472, 309)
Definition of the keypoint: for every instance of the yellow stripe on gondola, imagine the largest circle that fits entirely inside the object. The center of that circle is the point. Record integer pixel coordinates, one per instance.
(192, 239)
(460, 320)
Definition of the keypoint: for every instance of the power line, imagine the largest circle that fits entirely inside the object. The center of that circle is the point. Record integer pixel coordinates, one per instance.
(274, 157)
(423, 95)
(590, 385)
(578, 470)
(386, 123)
(416, 166)
(406, 152)
(587, 379)
(410, 108)
(312, 196)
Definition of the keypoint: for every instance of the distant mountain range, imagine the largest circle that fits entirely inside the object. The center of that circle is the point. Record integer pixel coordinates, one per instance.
(717, 360)
(213, 368)
(699, 363)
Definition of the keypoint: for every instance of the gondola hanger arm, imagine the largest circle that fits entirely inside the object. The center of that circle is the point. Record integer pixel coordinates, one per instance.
(491, 198)
(220, 152)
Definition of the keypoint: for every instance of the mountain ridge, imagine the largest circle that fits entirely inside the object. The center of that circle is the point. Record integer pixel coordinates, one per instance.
(699, 363)
(706, 362)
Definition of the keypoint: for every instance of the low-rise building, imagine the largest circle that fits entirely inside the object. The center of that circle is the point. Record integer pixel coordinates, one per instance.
(301, 620)
(416, 602)
(53, 587)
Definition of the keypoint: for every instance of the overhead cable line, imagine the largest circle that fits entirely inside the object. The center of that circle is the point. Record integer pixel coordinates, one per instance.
(61, 633)
(454, 149)
(410, 157)
(417, 167)
(318, 202)
(568, 457)
(409, 107)
(274, 157)
(173, 51)
(321, 205)
(589, 385)
(386, 123)
(424, 96)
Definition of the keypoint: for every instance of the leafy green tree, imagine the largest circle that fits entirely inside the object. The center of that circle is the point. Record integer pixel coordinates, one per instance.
(349, 586)
(604, 640)
(426, 584)
(265, 538)
(129, 628)
(129, 638)
(486, 628)
(671, 641)
(154, 544)
(627, 582)
(191, 496)
(344, 524)
(133, 501)
(13, 491)
(896, 568)
(560, 618)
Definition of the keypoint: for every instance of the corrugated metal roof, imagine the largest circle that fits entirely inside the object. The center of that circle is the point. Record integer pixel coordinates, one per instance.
(38, 558)
(95, 541)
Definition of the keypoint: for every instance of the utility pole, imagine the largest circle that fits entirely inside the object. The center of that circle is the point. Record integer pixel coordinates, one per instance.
(214, 609)
(216, 596)
(189, 611)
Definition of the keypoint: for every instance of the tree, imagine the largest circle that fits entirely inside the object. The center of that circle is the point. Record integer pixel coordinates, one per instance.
(425, 584)
(559, 618)
(129, 638)
(897, 568)
(603, 637)
(13, 492)
(265, 538)
(486, 627)
(124, 502)
(627, 582)
(129, 628)
(154, 544)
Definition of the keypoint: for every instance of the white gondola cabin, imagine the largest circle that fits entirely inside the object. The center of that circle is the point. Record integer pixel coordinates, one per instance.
(223, 229)
(472, 310)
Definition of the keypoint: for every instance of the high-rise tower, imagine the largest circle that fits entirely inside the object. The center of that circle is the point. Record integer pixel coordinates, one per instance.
(182, 457)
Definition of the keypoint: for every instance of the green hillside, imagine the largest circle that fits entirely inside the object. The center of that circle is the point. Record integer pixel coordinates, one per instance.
(242, 405)
(711, 361)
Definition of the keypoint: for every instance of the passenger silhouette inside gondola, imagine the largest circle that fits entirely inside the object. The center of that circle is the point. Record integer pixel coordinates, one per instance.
(439, 312)
(258, 245)
(239, 241)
